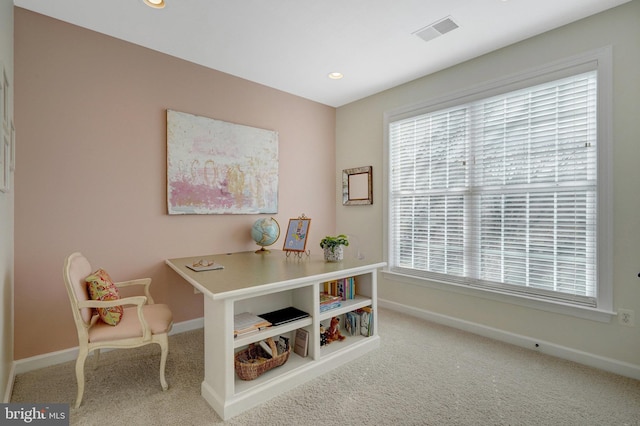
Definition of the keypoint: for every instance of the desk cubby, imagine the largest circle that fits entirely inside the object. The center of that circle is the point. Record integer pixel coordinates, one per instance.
(261, 283)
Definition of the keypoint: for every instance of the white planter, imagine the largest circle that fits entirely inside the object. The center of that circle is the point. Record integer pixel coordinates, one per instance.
(334, 254)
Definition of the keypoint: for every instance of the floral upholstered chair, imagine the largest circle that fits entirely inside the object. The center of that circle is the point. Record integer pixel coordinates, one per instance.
(104, 320)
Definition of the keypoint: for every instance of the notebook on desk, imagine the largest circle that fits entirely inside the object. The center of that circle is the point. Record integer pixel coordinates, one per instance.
(283, 316)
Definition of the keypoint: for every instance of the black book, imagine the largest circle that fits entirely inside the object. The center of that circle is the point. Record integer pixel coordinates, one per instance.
(283, 316)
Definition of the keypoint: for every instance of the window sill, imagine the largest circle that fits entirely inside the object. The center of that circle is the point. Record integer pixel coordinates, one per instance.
(592, 314)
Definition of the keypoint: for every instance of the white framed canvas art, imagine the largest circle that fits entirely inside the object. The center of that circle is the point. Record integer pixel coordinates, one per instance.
(216, 167)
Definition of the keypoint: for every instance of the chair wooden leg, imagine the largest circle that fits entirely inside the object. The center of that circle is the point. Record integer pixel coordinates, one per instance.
(164, 346)
(82, 356)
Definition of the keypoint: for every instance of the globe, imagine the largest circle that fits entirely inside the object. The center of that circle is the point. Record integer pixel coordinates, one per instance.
(265, 232)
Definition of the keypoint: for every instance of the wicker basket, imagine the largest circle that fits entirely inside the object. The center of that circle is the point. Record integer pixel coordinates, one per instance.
(250, 363)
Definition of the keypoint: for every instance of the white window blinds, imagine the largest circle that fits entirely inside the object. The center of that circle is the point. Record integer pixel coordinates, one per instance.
(500, 193)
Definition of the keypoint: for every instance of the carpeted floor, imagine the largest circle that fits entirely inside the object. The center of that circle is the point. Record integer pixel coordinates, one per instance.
(423, 374)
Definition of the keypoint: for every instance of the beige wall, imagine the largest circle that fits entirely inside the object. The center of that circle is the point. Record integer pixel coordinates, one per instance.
(6, 215)
(359, 141)
(92, 168)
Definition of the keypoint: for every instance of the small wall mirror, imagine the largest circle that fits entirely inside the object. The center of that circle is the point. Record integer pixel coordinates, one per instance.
(357, 187)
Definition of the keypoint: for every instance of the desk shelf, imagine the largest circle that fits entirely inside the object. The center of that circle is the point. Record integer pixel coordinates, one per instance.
(264, 283)
(242, 341)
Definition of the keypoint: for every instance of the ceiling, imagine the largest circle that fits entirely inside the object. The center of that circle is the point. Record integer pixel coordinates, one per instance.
(292, 45)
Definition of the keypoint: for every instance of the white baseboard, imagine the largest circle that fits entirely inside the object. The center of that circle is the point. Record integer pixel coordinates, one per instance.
(183, 326)
(10, 380)
(53, 358)
(596, 361)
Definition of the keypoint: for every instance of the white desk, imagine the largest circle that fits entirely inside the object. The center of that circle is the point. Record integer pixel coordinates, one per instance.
(261, 283)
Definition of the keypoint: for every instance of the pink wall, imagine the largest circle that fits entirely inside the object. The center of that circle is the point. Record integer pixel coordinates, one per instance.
(91, 168)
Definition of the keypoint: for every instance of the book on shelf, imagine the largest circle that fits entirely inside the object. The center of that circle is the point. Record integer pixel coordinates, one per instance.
(328, 301)
(352, 323)
(282, 344)
(366, 321)
(345, 288)
(246, 322)
(324, 308)
(301, 343)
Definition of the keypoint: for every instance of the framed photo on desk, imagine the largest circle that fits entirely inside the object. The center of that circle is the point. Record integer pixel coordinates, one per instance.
(297, 232)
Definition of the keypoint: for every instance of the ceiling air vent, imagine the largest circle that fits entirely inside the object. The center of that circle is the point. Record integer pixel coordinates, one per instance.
(436, 29)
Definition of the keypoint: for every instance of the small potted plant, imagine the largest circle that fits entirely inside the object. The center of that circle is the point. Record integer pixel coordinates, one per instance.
(334, 247)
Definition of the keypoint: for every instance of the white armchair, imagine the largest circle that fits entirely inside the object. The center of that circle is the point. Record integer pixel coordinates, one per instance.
(142, 323)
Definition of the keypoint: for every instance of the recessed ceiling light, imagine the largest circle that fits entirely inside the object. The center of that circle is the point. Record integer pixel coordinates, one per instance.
(158, 4)
(335, 75)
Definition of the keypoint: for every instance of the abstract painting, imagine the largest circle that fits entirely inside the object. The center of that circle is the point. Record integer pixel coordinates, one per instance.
(216, 167)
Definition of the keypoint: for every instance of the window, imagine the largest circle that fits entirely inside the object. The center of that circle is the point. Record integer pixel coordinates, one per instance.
(500, 192)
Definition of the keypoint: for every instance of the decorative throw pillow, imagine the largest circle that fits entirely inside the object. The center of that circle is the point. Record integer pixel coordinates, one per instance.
(101, 287)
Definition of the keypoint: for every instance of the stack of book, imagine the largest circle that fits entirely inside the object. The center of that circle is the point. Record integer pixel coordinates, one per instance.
(328, 301)
(247, 322)
(345, 288)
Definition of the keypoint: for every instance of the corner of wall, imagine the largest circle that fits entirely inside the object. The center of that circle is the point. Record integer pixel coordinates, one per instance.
(6, 212)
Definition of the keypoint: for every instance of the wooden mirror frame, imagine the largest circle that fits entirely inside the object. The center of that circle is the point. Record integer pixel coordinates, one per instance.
(357, 186)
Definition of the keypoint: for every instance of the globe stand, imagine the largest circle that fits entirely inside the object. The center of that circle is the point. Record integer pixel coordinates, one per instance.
(263, 251)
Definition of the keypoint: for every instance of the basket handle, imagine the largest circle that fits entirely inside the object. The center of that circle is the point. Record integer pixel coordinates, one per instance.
(272, 345)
